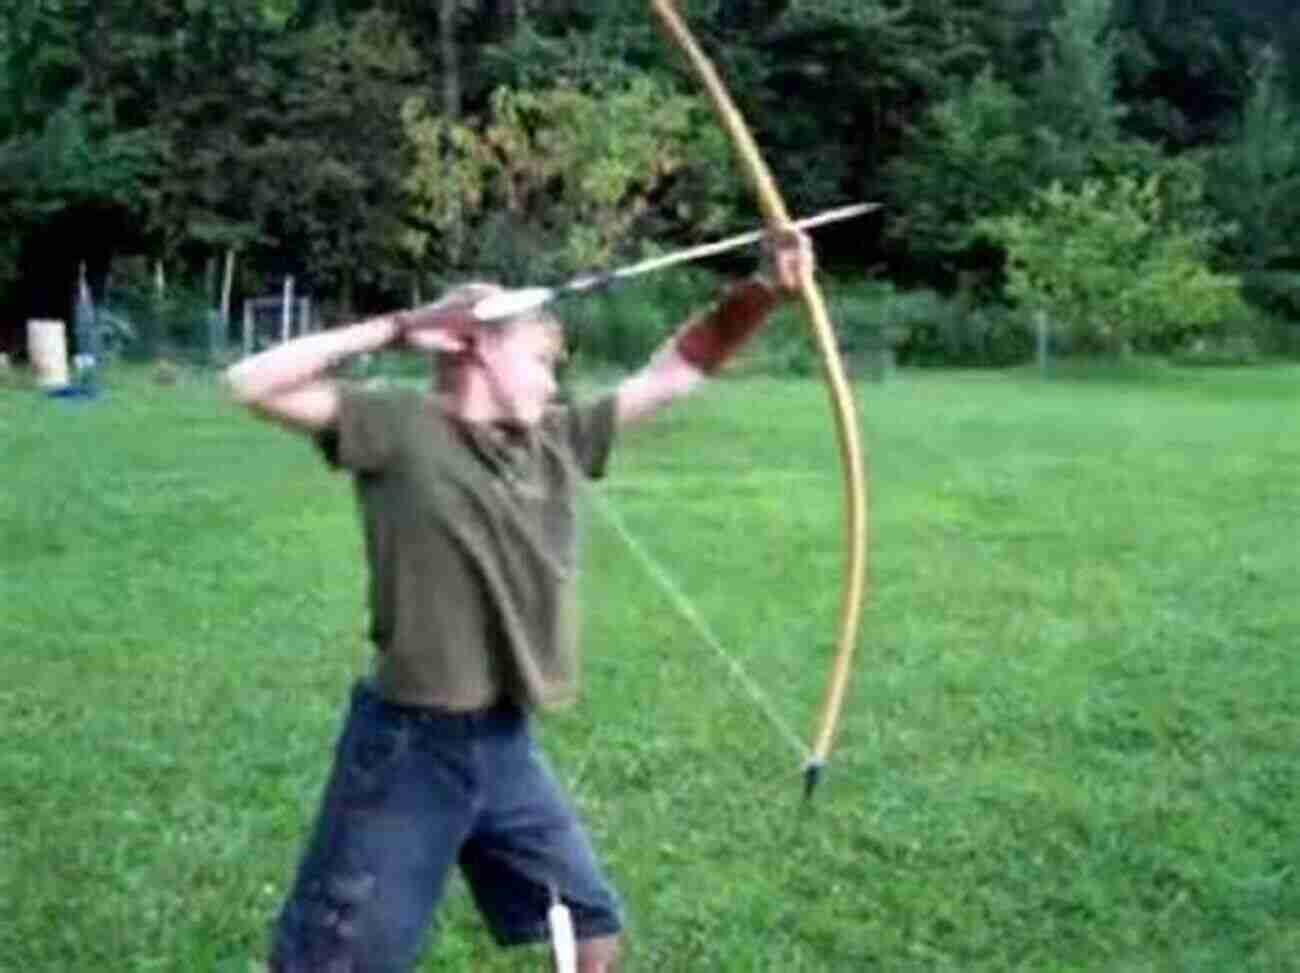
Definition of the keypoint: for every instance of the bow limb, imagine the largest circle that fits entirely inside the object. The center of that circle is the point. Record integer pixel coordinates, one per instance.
(852, 465)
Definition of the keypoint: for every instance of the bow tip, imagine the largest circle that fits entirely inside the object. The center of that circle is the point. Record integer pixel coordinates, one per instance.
(812, 775)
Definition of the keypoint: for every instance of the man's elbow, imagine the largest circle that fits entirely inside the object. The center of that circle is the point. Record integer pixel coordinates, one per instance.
(666, 380)
(236, 387)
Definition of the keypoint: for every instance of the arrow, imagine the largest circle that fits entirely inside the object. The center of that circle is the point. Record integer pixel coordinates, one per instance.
(514, 302)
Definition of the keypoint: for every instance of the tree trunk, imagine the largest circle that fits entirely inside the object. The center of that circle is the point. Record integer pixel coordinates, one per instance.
(451, 86)
(346, 291)
(96, 48)
(210, 281)
(226, 286)
(506, 14)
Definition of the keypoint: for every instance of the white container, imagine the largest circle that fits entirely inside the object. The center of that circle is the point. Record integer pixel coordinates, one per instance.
(47, 349)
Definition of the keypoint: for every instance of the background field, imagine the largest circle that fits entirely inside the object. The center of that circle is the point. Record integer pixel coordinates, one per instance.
(1070, 743)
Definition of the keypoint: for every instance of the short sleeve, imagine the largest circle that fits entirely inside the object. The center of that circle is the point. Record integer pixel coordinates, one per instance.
(589, 428)
(365, 436)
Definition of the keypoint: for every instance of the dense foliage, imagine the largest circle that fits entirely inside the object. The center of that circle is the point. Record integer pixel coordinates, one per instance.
(377, 149)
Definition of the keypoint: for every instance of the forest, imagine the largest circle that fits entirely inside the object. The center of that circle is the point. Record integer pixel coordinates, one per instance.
(1125, 170)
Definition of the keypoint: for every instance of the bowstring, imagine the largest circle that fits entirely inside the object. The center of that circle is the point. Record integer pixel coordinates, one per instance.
(687, 609)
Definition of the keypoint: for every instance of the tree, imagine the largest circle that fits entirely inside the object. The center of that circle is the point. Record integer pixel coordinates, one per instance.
(1254, 180)
(1118, 264)
(981, 152)
(326, 183)
(834, 85)
(971, 157)
(1076, 84)
(192, 84)
(68, 173)
(551, 181)
(1185, 65)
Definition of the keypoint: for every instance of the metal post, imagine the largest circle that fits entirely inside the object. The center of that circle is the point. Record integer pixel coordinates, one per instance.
(1041, 320)
(227, 283)
(286, 310)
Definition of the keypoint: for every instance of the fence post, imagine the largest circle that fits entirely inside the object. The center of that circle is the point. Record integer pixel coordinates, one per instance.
(227, 283)
(1041, 320)
(286, 310)
(216, 336)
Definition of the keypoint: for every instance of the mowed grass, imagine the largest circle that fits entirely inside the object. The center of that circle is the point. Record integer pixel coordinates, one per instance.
(1070, 743)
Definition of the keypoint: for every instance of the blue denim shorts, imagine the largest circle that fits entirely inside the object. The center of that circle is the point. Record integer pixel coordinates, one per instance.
(412, 793)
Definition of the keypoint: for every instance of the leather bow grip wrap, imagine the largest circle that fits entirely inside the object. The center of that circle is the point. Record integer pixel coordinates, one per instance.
(853, 467)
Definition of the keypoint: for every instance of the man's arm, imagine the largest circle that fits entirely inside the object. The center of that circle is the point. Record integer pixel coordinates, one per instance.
(289, 383)
(707, 341)
(697, 350)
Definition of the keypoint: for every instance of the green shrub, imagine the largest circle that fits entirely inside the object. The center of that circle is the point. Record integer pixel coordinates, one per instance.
(11, 376)
(1275, 292)
(1234, 349)
(925, 328)
(1273, 335)
(1119, 264)
(177, 325)
(1246, 339)
(624, 326)
(786, 345)
(1285, 338)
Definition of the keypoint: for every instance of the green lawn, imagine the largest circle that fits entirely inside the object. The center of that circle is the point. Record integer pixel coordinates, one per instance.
(1070, 744)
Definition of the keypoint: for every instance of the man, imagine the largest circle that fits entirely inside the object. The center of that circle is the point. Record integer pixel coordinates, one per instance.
(469, 509)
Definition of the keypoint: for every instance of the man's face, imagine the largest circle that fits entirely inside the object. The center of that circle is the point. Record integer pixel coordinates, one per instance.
(522, 359)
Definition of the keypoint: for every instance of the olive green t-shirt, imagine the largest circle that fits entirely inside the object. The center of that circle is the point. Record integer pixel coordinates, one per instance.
(471, 534)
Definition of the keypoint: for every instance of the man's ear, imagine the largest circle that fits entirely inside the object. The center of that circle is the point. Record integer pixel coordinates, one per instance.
(473, 345)
(436, 341)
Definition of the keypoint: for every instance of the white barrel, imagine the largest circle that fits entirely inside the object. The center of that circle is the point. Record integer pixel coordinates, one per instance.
(47, 348)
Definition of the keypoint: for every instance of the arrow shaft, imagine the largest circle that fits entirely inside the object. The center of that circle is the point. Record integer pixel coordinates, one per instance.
(592, 281)
(531, 298)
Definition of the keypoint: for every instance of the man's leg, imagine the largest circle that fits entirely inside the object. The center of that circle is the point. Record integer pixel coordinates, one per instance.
(528, 846)
(391, 823)
(597, 955)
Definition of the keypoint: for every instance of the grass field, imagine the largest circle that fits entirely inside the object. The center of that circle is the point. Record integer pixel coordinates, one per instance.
(1071, 742)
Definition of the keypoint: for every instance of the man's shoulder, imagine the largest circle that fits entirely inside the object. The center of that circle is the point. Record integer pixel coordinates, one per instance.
(562, 412)
(382, 390)
(585, 429)
(561, 418)
(384, 396)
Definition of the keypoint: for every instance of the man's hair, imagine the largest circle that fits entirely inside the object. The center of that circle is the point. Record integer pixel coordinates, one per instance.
(448, 363)
(469, 292)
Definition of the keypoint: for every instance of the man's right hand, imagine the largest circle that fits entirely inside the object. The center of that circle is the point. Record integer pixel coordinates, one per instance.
(444, 326)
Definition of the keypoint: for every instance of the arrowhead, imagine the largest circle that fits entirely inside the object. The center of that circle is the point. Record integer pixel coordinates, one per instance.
(812, 775)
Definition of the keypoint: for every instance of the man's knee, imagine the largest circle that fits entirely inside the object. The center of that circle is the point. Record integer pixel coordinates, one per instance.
(597, 955)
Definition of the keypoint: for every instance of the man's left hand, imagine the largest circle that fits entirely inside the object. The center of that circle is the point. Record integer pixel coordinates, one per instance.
(446, 326)
(789, 257)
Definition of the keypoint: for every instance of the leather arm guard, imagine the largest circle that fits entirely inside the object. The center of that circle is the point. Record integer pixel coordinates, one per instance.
(709, 339)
